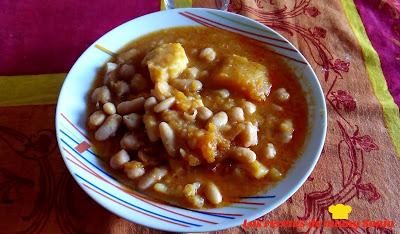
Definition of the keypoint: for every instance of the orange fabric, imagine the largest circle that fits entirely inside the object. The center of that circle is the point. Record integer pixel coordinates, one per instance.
(358, 166)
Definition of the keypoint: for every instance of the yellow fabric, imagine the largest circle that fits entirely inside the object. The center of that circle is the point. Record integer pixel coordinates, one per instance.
(178, 4)
(162, 5)
(30, 89)
(373, 66)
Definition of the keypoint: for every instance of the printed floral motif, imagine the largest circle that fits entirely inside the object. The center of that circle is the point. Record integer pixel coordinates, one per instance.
(396, 29)
(318, 32)
(312, 11)
(367, 192)
(392, 6)
(380, 229)
(366, 142)
(342, 100)
(235, 6)
(341, 65)
(259, 3)
(11, 186)
(37, 148)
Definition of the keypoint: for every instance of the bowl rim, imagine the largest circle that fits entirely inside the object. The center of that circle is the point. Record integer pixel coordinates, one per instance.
(233, 223)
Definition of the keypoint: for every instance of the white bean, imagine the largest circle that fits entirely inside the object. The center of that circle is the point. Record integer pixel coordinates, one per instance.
(236, 114)
(109, 108)
(130, 142)
(181, 84)
(96, 119)
(120, 88)
(127, 71)
(242, 154)
(208, 54)
(128, 107)
(196, 86)
(167, 137)
(119, 159)
(276, 107)
(134, 169)
(219, 119)
(192, 72)
(138, 82)
(190, 190)
(286, 128)
(110, 77)
(256, 169)
(108, 128)
(161, 90)
(101, 95)
(110, 67)
(248, 136)
(148, 160)
(213, 194)
(164, 105)
(197, 201)
(190, 117)
(231, 131)
(150, 103)
(151, 124)
(150, 178)
(132, 120)
(128, 56)
(282, 95)
(161, 188)
(190, 193)
(203, 113)
(224, 93)
(249, 107)
(187, 85)
(270, 151)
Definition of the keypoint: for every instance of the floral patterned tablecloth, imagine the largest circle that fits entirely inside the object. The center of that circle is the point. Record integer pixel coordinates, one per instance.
(353, 45)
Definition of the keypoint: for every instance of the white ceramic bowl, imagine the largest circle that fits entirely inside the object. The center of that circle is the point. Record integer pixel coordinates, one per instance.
(88, 171)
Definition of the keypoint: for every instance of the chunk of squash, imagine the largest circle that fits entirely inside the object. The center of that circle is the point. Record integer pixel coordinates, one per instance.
(247, 77)
(256, 169)
(166, 61)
